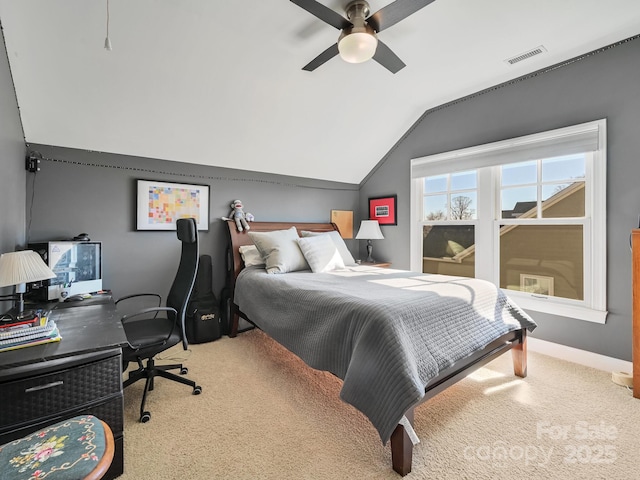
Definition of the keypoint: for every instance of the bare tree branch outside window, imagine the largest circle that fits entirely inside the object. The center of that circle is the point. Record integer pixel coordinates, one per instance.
(439, 215)
(461, 208)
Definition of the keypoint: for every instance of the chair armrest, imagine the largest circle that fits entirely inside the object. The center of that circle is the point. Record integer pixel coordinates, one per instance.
(128, 297)
(126, 318)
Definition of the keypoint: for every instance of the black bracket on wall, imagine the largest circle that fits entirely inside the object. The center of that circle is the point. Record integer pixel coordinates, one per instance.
(32, 163)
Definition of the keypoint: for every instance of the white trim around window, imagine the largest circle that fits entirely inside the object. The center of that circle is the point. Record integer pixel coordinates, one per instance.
(586, 137)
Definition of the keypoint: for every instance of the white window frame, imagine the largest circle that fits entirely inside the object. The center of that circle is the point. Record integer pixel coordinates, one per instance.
(586, 137)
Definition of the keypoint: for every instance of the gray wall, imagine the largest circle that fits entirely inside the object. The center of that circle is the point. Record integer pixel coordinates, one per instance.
(602, 85)
(12, 172)
(94, 192)
(79, 191)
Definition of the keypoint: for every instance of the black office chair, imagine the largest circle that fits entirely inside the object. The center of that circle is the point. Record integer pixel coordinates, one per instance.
(152, 330)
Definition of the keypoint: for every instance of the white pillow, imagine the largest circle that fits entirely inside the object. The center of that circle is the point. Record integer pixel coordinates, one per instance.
(347, 258)
(251, 256)
(321, 253)
(280, 250)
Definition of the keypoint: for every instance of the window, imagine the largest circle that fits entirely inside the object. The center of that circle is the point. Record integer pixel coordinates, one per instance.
(451, 196)
(527, 214)
(448, 234)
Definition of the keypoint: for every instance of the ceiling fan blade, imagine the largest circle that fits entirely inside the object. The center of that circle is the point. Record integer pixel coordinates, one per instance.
(394, 12)
(325, 14)
(328, 54)
(389, 60)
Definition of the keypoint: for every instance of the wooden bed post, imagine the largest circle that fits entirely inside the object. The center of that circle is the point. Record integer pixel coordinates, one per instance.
(235, 321)
(402, 447)
(519, 354)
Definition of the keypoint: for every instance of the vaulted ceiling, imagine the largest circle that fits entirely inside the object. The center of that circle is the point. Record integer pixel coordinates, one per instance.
(220, 82)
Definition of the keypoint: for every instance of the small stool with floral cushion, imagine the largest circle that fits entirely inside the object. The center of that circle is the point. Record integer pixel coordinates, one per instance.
(78, 448)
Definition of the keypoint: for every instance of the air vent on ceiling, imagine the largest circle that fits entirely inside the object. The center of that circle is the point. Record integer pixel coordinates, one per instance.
(523, 56)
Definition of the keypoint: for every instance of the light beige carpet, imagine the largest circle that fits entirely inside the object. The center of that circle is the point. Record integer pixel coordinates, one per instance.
(264, 415)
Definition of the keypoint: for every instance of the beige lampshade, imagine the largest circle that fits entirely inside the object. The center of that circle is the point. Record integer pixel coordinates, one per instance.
(23, 267)
(369, 230)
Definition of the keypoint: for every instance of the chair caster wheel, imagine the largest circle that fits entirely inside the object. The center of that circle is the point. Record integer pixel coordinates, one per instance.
(145, 417)
(184, 371)
(197, 390)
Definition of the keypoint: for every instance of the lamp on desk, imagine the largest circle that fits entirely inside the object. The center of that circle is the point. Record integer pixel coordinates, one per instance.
(369, 230)
(20, 268)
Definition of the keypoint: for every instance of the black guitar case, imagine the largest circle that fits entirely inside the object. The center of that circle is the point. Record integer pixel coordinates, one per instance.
(202, 321)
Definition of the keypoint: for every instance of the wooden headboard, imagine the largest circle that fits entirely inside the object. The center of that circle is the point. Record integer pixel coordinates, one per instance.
(237, 239)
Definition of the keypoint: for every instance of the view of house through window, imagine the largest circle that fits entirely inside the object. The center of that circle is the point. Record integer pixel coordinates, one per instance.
(527, 214)
(449, 250)
(451, 199)
(540, 249)
(543, 258)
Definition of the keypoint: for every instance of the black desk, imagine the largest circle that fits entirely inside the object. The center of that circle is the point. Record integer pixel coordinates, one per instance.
(81, 374)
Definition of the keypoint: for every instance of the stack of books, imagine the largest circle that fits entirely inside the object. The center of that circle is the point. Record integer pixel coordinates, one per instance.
(35, 329)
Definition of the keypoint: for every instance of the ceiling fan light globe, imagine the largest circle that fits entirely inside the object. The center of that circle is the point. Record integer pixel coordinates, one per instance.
(357, 47)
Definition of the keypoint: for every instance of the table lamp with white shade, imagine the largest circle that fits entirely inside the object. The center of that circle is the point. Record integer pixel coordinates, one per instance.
(369, 230)
(20, 268)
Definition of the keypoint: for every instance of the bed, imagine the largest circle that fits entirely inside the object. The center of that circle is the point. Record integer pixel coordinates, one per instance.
(395, 338)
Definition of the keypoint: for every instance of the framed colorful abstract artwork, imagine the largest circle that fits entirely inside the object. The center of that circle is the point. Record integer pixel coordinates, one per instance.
(160, 204)
(383, 209)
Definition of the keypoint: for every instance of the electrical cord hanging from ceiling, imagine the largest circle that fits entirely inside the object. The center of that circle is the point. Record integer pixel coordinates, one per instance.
(107, 40)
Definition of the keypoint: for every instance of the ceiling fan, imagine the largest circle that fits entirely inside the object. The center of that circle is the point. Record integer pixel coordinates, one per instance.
(358, 41)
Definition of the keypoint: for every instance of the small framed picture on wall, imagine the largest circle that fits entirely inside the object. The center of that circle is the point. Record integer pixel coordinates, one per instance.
(384, 209)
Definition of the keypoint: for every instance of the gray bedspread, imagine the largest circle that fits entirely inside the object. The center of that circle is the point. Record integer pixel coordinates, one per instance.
(384, 332)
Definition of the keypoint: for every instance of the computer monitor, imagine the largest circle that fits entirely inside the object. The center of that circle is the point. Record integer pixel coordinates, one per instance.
(77, 265)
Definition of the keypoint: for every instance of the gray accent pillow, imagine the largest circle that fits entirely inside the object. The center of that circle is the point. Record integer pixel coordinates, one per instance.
(347, 258)
(321, 253)
(280, 250)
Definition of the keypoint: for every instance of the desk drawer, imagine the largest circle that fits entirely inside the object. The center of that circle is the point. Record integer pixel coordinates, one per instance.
(110, 411)
(42, 395)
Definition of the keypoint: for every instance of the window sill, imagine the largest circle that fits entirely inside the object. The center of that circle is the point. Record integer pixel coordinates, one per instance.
(553, 307)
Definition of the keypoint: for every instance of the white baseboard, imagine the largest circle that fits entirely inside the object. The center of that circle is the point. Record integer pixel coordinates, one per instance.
(581, 357)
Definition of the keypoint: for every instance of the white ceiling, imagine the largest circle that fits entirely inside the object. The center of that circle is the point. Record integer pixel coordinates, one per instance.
(220, 82)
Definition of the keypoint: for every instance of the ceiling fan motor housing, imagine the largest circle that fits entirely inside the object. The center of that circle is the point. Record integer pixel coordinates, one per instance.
(357, 8)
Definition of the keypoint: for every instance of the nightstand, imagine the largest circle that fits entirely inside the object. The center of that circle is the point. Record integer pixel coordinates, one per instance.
(376, 264)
